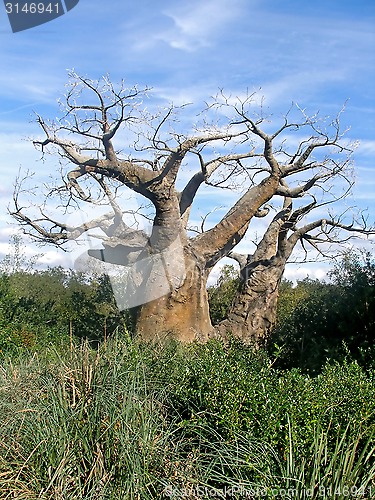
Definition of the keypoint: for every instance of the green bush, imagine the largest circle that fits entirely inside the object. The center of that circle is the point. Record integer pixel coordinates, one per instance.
(318, 321)
(49, 306)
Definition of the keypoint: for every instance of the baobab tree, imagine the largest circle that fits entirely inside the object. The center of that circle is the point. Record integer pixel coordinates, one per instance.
(170, 266)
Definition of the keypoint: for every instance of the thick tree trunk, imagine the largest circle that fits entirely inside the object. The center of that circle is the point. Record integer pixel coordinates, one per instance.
(182, 314)
(253, 313)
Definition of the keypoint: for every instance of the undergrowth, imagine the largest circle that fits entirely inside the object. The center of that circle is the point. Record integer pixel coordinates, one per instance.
(136, 421)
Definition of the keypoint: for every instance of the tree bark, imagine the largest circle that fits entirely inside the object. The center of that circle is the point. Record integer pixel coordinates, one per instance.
(182, 314)
(253, 313)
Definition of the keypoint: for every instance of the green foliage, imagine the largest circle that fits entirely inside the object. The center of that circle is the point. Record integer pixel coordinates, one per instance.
(237, 390)
(319, 321)
(141, 421)
(40, 307)
(354, 275)
(134, 421)
(221, 295)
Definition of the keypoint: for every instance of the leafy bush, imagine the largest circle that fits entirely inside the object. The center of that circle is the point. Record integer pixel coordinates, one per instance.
(319, 321)
(49, 306)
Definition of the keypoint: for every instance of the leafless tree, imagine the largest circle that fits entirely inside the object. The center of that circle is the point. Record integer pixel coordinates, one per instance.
(170, 266)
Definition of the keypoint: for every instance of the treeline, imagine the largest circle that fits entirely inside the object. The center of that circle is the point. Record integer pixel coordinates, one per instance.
(56, 305)
(317, 320)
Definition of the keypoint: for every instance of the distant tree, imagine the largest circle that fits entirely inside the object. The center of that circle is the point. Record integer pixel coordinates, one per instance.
(16, 259)
(234, 141)
(354, 274)
(221, 295)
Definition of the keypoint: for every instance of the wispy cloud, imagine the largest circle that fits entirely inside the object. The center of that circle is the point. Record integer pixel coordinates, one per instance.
(195, 25)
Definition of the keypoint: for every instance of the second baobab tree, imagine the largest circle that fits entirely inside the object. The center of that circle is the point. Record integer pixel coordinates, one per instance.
(109, 143)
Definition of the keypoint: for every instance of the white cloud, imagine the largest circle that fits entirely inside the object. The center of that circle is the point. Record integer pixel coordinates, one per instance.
(366, 147)
(196, 24)
(54, 258)
(296, 273)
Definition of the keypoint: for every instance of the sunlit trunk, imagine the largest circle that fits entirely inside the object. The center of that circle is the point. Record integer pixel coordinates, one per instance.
(182, 314)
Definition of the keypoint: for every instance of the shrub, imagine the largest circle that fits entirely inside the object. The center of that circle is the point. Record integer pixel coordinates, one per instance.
(319, 321)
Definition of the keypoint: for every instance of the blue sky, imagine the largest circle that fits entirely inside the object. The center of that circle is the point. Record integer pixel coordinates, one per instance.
(318, 54)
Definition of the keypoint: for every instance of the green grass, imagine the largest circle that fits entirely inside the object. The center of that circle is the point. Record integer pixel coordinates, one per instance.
(133, 421)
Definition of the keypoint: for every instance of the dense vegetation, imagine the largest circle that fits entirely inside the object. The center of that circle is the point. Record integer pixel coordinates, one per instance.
(133, 421)
(318, 320)
(88, 413)
(56, 306)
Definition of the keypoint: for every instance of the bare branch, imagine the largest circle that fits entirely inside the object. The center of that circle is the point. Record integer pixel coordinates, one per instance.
(238, 257)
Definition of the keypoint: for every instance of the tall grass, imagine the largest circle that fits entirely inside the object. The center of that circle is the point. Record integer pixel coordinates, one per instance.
(345, 470)
(87, 426)
(115, 424)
